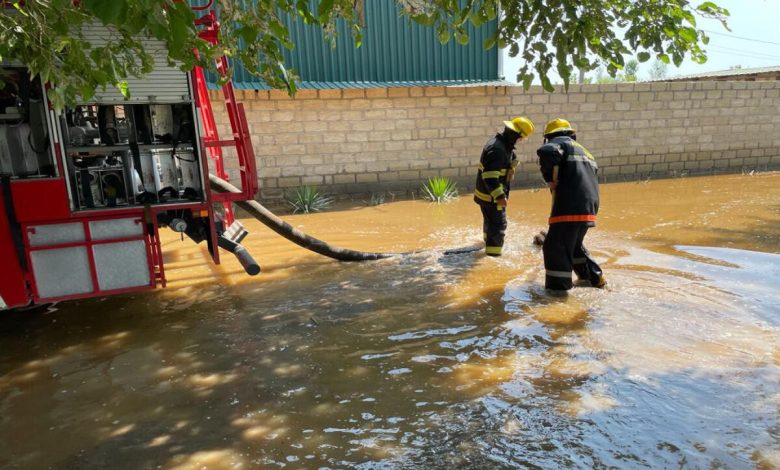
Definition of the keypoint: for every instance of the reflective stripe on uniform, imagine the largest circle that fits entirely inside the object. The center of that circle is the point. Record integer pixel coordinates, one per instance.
(480, 195)
(502, 172)
(579, 260)
(584, 158)
(499, 191)
(572, 218)
(490, 174)
(580, 146)
(563, 274)
(493, 250)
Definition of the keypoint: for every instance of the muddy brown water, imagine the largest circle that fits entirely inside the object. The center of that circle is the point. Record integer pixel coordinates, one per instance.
(425, 361)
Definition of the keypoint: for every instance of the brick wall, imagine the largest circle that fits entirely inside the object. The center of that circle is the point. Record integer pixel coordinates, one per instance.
(363, 141)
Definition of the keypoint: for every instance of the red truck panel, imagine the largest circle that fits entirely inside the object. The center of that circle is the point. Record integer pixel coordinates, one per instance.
(12, 286)
(40, 200)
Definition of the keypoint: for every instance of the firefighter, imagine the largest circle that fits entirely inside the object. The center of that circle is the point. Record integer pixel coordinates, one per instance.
(496, 168)
(571, 174)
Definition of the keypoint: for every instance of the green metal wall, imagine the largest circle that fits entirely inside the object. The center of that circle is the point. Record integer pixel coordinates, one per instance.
(394, 50)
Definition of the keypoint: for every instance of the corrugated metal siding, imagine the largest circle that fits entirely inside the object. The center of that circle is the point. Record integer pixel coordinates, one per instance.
(394, 50)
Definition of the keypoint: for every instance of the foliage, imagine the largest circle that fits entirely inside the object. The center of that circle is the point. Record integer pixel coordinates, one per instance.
(630, 70)
(583, 33)
(439, 189)
(376, 199)
(306, 199)
(602, 77)
(48, 37)
(574, 79)
(658, 70)
(630, 74)
(560, 35)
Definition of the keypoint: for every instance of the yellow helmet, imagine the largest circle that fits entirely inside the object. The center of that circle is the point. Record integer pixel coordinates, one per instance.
(521, 125)
(558, 125)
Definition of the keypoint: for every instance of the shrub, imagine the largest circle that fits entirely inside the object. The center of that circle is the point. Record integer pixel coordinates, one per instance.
(306, 199)
(376, 199)
(439, 189)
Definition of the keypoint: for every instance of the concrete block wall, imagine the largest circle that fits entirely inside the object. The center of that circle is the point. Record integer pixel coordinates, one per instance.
(363, 141)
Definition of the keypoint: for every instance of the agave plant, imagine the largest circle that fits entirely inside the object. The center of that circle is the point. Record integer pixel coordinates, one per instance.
(307, 199)
(439, 189)
(376, 199)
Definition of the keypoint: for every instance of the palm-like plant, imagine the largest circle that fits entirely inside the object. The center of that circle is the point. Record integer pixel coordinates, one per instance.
(439, 189)
(307, 199)
(376, 199)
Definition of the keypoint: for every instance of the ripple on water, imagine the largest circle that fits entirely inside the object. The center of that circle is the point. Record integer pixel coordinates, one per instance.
(675, 365)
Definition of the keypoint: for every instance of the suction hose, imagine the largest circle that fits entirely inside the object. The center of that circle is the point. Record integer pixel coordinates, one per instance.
(259, 212)
(289, 232)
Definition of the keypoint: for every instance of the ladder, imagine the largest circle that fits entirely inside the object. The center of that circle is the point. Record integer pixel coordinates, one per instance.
(241, 138)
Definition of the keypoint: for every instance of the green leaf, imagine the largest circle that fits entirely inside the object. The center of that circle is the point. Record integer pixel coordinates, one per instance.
(109, 12)
(527, 80)
(443, 34)
(688, 34)
(123, 88)
(87, 91)
(477, 19)
(643, 56)
(324, 10)
(548, 87)
(490, 42)
(707, 6)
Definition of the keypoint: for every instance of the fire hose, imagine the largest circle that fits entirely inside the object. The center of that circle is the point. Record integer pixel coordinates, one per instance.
(269, 219)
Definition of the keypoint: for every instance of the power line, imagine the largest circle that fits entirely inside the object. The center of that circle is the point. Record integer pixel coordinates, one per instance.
(743, 52)
(740, 37)
(731, 54)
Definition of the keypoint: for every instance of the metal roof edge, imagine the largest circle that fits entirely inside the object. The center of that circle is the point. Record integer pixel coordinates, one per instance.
(310, 85)
(722, 73)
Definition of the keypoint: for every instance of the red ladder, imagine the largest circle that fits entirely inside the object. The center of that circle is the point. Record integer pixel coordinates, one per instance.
(238, 123)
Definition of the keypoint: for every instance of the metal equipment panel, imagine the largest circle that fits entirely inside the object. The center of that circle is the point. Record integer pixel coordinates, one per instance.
(61, 272)
(115, 228)
(55, 234)
(121, 265)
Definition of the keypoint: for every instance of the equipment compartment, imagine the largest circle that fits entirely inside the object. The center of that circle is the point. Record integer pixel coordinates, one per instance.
(132, 154)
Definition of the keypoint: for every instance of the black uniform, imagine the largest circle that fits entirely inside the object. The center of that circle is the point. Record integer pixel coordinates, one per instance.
(498, 158)
(574, 209)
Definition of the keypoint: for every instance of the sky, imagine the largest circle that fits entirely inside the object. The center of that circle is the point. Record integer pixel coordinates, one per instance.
(754, 41)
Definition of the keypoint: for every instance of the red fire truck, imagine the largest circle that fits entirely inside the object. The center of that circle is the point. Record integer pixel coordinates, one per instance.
(84, 191)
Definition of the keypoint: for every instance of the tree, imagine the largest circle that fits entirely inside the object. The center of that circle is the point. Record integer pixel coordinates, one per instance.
(658, 70)
(574, 78)
(558, 35)
(631, 70)
(602, 77)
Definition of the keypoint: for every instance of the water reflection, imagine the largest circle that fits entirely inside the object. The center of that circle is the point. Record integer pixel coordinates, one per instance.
(425, 361)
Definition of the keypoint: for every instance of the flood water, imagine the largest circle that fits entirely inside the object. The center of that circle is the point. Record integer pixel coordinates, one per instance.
(425, 361)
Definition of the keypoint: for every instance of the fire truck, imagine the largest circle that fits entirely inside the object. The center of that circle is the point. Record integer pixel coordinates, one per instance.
(84, 191)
